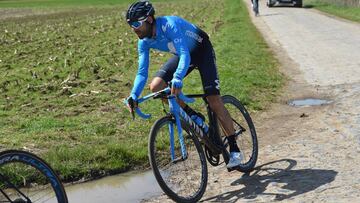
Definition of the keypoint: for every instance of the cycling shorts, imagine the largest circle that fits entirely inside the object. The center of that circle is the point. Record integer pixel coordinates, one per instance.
(203, 58)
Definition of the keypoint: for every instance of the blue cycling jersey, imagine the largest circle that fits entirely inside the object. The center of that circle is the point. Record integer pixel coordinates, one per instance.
(174, 35)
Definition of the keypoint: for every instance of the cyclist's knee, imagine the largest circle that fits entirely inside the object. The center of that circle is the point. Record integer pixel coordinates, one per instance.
(157, 84)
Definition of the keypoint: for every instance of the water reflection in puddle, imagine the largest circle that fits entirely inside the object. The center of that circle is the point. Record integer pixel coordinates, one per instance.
(309, 102)
(129, 187)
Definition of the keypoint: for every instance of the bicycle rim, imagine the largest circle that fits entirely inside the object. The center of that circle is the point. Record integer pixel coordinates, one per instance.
(27, 178)
(247, 139)
(182, 181)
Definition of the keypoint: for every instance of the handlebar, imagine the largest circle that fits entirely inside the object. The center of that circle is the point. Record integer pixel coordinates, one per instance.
(165, 93)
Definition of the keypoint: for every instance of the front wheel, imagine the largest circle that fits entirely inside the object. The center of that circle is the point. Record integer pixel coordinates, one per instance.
(244, 127)
(185, 179)
(24, 177)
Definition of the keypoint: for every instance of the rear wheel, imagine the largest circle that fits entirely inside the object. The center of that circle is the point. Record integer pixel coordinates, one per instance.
(244, 127)
(24, 177)
(183, 180)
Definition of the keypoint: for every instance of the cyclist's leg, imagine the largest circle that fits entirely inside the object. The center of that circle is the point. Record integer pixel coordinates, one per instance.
(256, 7)
(165, 75)
(223, 115)
(157, 84)
(210, 80)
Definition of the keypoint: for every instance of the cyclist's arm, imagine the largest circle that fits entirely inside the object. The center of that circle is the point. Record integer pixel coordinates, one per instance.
(142, 74)
(174, 33)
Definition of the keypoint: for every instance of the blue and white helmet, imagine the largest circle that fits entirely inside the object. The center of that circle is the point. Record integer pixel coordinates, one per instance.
(139, 11)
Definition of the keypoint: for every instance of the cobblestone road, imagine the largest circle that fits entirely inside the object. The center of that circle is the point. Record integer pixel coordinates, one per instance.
(307, 154)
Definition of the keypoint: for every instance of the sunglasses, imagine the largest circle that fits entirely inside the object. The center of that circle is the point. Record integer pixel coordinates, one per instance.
(137, 24)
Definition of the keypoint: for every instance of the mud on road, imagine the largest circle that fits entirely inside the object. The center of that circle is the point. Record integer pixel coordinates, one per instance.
(307, 153)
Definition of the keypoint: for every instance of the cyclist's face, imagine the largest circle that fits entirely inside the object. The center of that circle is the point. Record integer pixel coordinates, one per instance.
(143, 31)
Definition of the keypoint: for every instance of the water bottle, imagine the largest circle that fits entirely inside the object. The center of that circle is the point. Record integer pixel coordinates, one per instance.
(200, 122)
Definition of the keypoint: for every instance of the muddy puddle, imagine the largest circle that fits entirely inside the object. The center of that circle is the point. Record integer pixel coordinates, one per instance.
(128, 187)
(309, 102)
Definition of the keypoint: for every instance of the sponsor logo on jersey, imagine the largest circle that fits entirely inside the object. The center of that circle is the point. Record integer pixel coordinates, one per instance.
(194, 36)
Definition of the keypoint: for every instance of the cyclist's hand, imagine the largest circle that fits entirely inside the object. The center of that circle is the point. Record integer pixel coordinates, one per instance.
(132, 104)
(176, 86)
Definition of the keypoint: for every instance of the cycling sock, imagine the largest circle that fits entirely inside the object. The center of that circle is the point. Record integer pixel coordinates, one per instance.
(232, 143)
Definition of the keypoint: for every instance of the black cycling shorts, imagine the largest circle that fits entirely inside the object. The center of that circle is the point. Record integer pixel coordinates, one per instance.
(203, 58)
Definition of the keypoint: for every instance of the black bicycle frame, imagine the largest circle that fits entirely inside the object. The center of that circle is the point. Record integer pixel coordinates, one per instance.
(211, 140)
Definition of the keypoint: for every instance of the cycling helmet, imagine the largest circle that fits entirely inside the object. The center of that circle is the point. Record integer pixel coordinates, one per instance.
(139, 11)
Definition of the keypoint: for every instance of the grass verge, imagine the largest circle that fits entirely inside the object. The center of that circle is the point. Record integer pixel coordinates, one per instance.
(347, 12)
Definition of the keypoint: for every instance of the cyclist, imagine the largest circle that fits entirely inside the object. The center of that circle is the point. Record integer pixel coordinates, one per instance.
(255, 7)
(191, 48)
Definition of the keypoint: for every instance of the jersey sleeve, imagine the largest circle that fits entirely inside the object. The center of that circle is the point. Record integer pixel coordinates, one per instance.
(174, 34)
(143, 70)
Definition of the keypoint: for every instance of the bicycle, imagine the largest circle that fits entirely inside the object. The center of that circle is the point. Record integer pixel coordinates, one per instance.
(26, 178)
(170, 160)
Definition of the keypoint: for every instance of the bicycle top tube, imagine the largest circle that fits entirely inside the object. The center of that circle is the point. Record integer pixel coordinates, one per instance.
(165, 93)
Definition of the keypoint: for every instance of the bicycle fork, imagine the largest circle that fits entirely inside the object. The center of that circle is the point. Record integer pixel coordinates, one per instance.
(175, 110)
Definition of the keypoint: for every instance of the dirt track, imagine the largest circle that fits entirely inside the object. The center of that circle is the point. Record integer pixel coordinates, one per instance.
(307, 154)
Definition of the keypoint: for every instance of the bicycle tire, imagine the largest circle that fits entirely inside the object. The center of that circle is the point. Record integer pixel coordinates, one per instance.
(246, 140)
(167, 173)
(39, 176)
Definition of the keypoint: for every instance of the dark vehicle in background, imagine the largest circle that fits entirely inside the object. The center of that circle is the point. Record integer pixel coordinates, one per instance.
(296, 3)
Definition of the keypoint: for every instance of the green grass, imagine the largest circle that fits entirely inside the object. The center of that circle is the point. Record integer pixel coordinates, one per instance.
(247, 69)
(347, 12)
(64, 75)
(62, 3)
